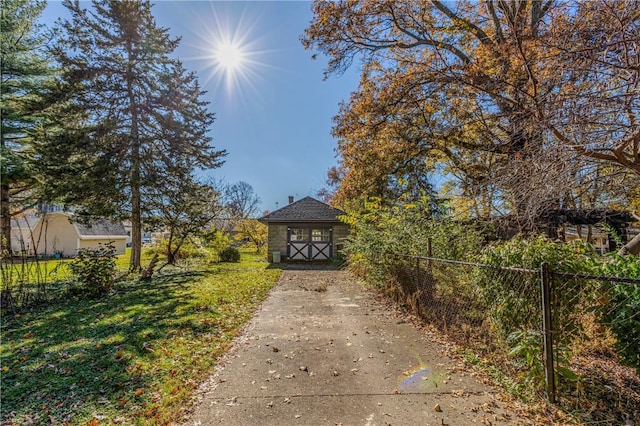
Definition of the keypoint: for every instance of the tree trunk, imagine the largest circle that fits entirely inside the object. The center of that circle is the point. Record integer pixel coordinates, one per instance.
(136, 207)
(171, 251)
(136, 197)
(136, 230)
(5, 221)
(632, 247)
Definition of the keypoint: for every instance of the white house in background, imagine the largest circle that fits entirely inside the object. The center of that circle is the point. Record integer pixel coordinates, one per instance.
(21, 231)
(56, 233)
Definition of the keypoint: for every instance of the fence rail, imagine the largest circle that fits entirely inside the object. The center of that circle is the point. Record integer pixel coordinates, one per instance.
(548, 329)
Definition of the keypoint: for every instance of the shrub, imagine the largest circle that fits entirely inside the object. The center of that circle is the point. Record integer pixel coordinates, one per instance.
(623, 305)
(525, 348)
(188, 250)
(230, 254)
(408, 228)
(94, 269)
(616, 303)
(216, 241)
(191, 249)
(514, 297)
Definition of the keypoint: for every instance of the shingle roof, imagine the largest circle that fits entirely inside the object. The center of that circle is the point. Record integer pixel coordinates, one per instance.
(100, 227)
(94, 227)
(306, 209)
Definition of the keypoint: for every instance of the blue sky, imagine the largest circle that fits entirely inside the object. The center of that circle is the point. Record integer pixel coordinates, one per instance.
(274, 112)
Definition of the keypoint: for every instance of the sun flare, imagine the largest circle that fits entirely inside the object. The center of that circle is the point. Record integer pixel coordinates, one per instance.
(232, 51)
(229, 56)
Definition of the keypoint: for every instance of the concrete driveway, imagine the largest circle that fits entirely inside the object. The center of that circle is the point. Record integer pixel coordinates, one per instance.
(322, 351)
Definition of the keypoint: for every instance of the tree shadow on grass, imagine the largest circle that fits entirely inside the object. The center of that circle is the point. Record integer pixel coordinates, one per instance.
(80, 356)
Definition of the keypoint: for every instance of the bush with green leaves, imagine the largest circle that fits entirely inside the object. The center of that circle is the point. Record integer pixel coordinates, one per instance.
(216, 241)
(525, 347)
(230, 254)
(622, 304)
(94, 270)
(517, 308)
(191, 249)
(407, 229)
(514, 297)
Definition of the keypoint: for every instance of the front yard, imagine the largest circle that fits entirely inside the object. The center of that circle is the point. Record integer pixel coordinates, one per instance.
(134, 357)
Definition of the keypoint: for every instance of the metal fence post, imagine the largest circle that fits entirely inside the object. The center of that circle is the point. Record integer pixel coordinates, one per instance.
(547, 325)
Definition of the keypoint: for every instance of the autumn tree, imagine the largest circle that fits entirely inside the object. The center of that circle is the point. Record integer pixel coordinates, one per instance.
(25, 73)
(252, 231)
(137, 118)
(596, 66)
(516, 97)
(391, 137)
(595, 112)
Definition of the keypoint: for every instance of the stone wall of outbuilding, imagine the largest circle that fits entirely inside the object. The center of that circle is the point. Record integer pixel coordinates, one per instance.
(277, 240)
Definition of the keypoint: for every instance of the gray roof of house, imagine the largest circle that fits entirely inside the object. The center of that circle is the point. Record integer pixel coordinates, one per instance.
(100, 227)
(306, 209)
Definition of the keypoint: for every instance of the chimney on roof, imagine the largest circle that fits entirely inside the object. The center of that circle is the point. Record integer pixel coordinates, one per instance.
(290, 199)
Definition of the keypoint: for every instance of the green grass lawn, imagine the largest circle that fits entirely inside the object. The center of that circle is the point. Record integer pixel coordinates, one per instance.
(134, 357)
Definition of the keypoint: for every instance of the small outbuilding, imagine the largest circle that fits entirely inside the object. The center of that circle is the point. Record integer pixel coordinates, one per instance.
(58, 234)
(305, 230)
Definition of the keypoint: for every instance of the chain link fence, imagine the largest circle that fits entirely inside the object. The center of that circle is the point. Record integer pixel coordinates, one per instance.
(596, 336)
(586, 352)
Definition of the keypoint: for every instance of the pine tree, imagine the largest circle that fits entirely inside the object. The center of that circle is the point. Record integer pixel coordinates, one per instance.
(25, 72)
(142, 116)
